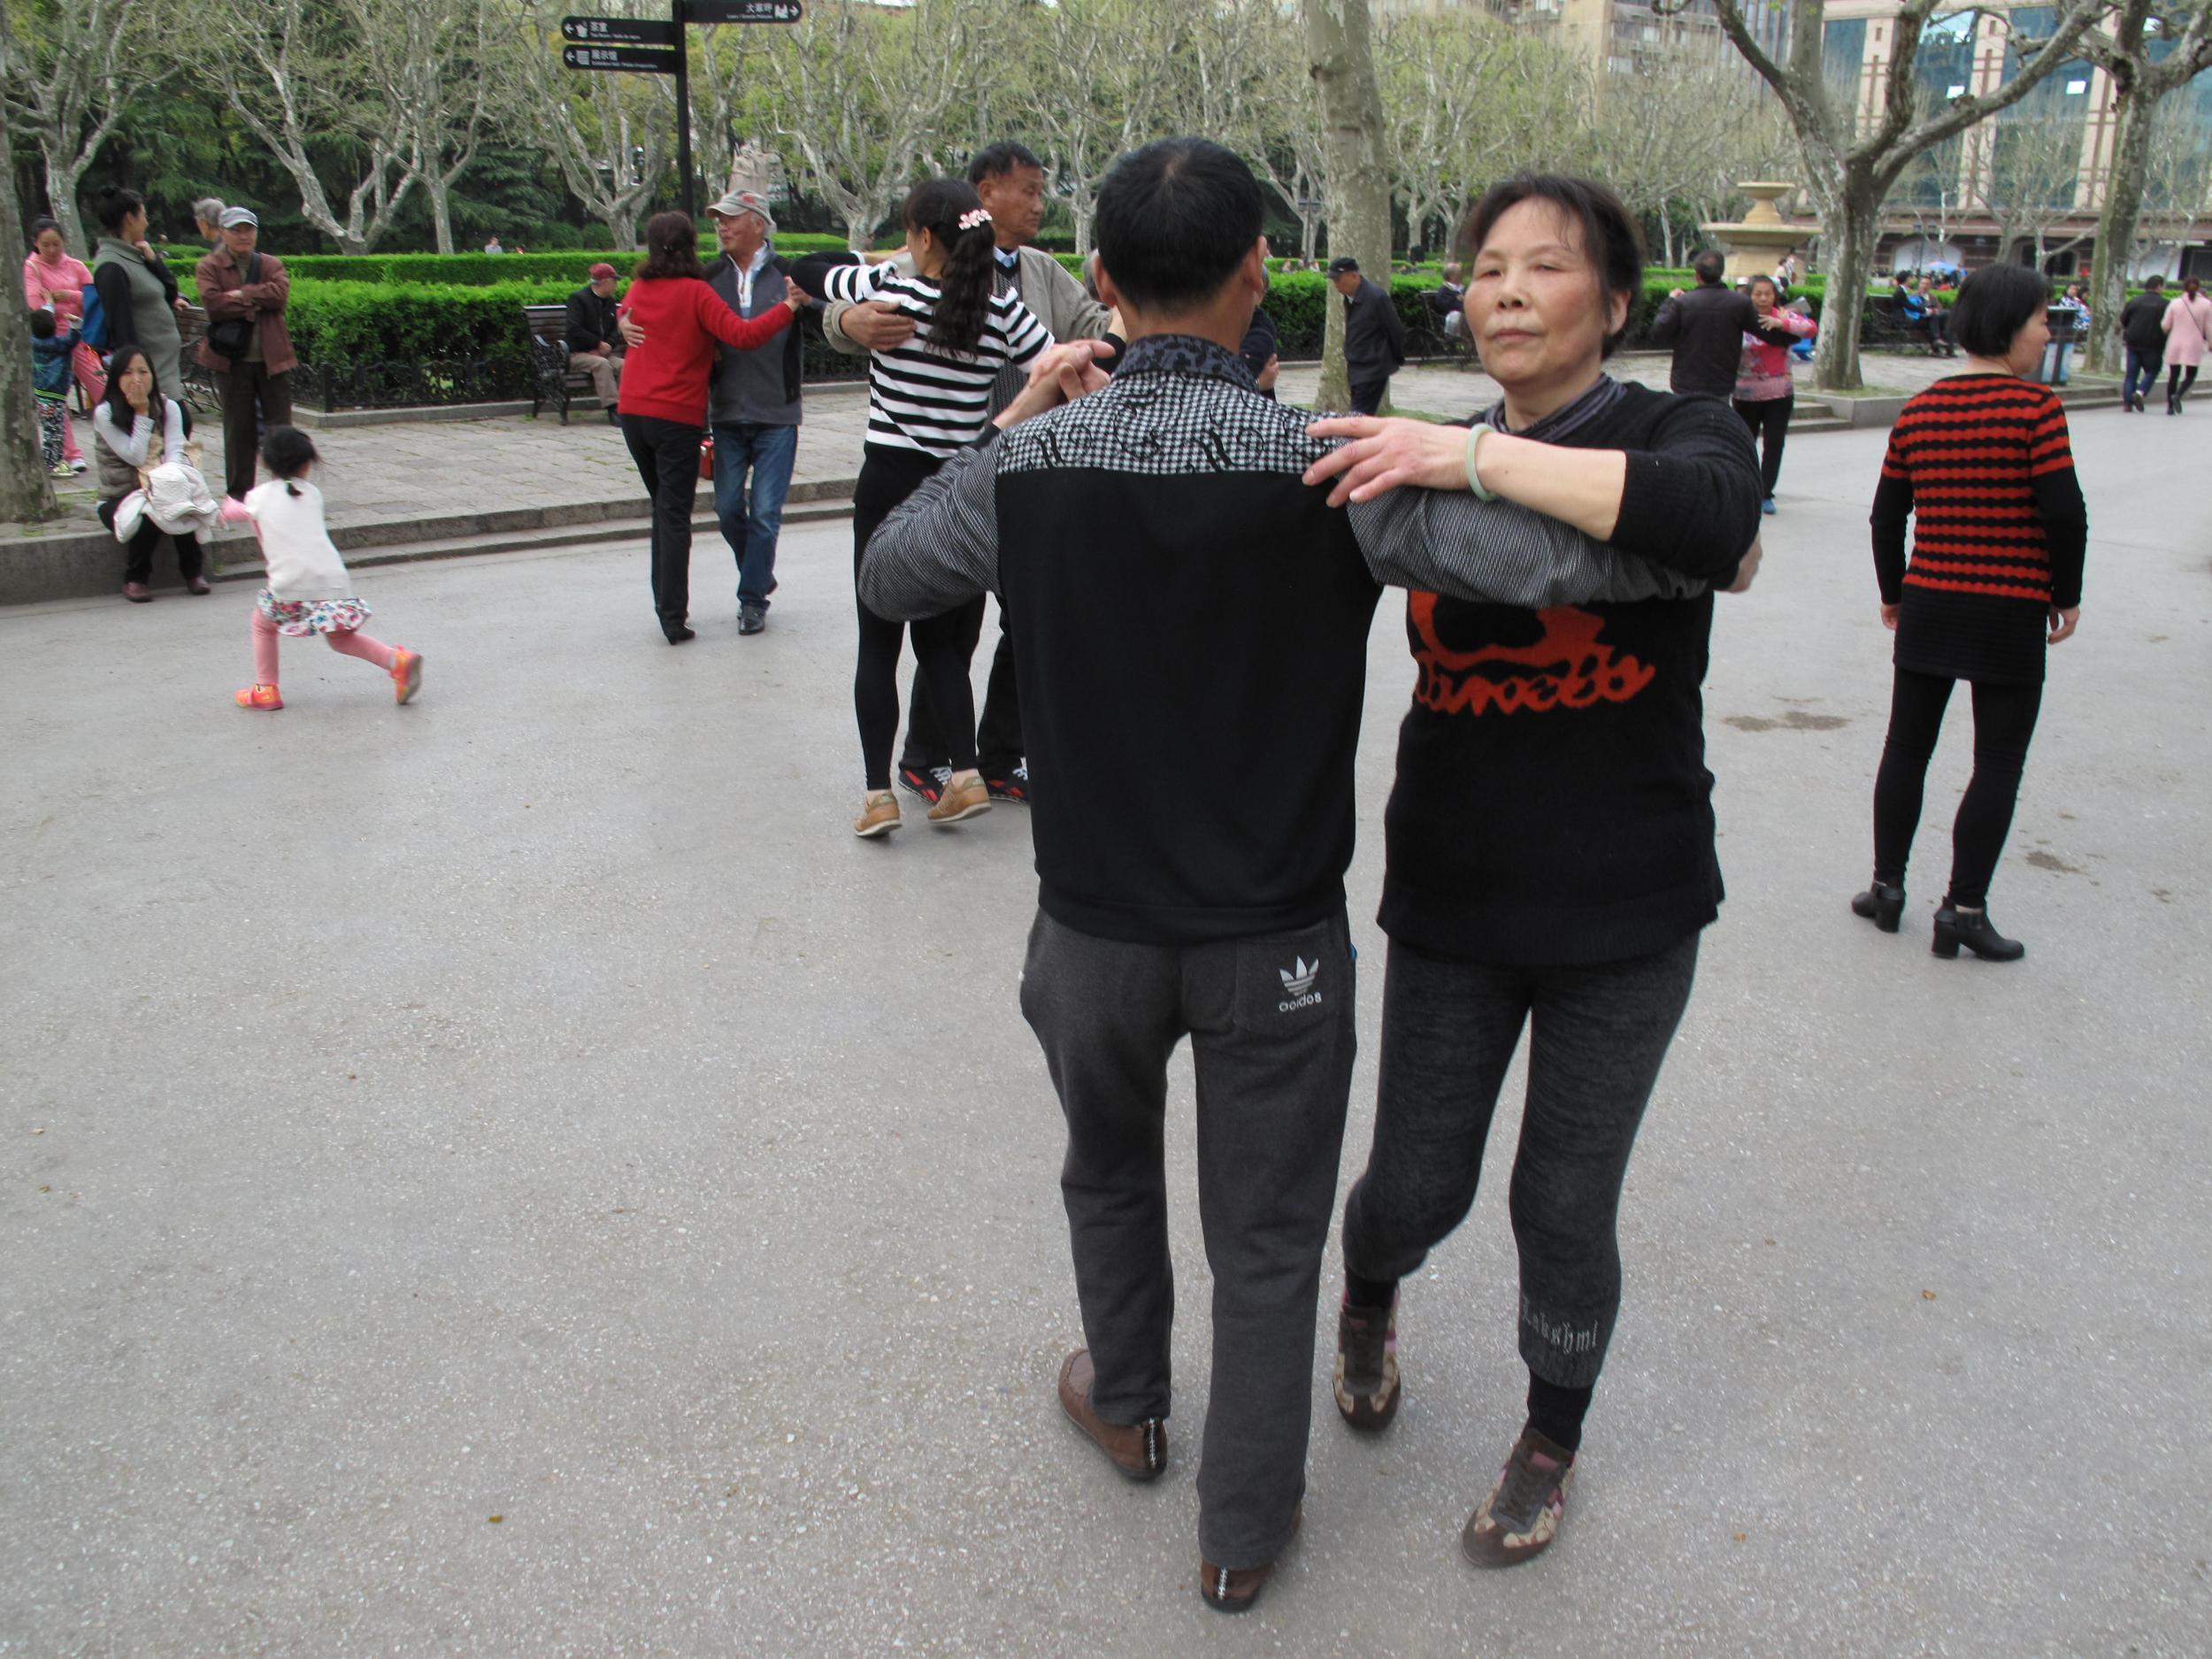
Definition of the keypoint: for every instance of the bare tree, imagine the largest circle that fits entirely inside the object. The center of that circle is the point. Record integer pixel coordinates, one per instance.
(67, 89)
(1284, 142)
(1852, 159)
(2028, 179)
(1100, 73)
(435, 68)
(1433, 72)
(1339, 41)
(2122, 49)
(2176, 185)
(298, 76)
(612, 134)
(864, 92)
(26, 491)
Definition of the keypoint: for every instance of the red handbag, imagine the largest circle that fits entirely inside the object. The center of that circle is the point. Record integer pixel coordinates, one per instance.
(706, 456)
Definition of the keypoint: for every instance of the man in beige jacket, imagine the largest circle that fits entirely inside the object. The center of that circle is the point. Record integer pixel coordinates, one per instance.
(1011, 182)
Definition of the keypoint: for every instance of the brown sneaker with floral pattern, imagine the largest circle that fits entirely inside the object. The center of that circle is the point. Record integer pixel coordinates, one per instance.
(1521, 1515)
(1366, 1378)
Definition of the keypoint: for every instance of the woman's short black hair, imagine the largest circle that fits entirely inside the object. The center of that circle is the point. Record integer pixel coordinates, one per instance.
(1995, 303)
(113, 205)
(41, 226)
(671, 248)
(1175, 219)
(1611, 240)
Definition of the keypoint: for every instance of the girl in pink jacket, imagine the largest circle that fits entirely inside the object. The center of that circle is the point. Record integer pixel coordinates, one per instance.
(2188, 326)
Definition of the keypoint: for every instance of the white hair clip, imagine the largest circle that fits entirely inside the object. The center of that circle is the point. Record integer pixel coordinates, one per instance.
(974, 217)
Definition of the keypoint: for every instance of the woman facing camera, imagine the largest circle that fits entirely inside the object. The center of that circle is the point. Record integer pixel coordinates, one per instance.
(1981, 464)
(1550, 834)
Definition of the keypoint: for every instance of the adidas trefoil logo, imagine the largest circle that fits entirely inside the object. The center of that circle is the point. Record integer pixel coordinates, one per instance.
(1298, 986)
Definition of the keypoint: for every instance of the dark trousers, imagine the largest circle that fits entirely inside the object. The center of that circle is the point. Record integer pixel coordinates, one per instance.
(1598, 1032)
(998, 735)
(1768, 418)
(253, 398)
(1367, 398)
(2004, 721)
(138, 552)
(2179, 378)
(667, 456)
(942, 644)
(1270, 1025)
(2144, 364)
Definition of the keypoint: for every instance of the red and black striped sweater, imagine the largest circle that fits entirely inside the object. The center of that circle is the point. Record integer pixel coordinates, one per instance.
(1981, 464)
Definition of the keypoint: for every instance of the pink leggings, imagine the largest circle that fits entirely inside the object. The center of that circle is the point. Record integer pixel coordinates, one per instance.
(353, 644)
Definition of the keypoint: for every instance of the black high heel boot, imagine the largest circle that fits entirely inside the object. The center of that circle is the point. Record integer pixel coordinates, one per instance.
(1955, 927)
(1880, 905)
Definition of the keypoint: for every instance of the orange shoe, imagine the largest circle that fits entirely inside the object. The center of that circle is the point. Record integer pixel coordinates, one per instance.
(406, 673)
(259, 698)
(878, 814)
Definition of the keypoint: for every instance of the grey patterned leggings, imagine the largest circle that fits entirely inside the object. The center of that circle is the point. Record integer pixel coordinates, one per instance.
(1600, 1031)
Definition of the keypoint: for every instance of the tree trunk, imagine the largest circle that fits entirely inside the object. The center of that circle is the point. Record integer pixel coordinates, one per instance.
(1666, 237)
(1847, 239)
(1339, 41)
(61, 194)
(441, 211)
(621, 232)
(26, 492)
(2117, 221)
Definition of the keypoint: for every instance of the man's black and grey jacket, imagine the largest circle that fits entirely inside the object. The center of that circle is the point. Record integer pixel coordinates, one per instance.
(1186, 612)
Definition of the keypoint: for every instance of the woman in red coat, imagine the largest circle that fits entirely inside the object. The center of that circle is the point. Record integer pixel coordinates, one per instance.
(663, 398)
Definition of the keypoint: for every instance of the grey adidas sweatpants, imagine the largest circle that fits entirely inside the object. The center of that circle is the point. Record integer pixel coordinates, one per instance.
(1600, 1031)
(1269, 1021)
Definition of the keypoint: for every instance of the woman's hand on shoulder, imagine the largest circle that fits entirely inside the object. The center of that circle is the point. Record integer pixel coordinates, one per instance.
(1384, 454)
(2064, 622)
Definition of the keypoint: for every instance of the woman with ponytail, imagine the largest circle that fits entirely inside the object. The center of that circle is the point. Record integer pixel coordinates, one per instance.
(663, 404)
(927, 400)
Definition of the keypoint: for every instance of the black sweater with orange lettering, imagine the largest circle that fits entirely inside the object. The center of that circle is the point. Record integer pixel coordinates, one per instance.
(1552, 804)
(1982, 465)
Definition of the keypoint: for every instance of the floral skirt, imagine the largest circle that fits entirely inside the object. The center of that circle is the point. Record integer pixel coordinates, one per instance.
(312, 616)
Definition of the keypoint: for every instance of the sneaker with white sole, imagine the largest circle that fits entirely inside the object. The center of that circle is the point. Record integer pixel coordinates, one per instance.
(1522, 1515)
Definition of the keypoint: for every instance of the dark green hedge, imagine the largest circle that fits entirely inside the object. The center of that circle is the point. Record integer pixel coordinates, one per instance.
(482, 270)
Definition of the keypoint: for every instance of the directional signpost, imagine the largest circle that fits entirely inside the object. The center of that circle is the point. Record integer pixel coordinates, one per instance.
(649, 47)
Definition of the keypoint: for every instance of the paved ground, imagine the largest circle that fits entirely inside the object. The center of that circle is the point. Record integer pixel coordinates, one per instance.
(401, 473)
(513, 1175)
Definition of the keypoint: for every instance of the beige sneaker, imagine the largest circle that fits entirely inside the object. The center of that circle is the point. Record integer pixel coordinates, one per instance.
(961, 800)
(879, 814)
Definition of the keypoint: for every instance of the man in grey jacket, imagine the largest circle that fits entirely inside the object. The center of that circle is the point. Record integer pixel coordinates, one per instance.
(1011, 182)
(752, 403)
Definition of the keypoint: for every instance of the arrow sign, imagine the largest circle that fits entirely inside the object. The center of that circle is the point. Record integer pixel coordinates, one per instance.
(642, 60)
(744, 10)
(618, 31)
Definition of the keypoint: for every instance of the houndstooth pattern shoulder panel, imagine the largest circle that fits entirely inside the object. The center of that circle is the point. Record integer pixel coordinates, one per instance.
(1183, 408)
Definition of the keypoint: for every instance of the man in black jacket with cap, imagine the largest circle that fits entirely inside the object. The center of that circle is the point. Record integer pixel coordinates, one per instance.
(1374, 334)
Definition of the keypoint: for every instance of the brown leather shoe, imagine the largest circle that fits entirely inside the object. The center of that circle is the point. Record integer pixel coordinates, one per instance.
(1138, 1449)
(198, 585)
(1234, 1589)
(137, 593)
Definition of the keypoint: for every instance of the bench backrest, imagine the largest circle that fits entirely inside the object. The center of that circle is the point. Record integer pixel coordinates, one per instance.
(546, 321)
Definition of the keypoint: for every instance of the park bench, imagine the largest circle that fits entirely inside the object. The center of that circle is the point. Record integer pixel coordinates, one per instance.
(551, 380)
(1886, 328)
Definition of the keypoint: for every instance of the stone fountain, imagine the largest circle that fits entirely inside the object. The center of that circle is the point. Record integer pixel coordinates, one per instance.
(1756, 243)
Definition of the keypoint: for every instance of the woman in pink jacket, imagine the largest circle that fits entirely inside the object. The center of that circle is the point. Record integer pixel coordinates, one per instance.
(55, 280)
(2188, 326)
(1765, 393)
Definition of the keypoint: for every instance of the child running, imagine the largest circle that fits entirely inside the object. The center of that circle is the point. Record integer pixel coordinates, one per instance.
(309, 591)
(927, 400)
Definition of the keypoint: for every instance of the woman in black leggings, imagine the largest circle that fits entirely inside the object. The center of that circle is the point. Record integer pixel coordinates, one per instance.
(1981, 462)
(927, 400)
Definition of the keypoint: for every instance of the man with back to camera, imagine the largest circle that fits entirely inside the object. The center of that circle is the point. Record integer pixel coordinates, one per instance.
(1159, 524)
(1011, 182)
(2144, 341)
(1374, 334)
(1706, 326)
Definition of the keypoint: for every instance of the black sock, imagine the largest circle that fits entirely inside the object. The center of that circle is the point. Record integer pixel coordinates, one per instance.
(1556, 1413)
(1371, 1293)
